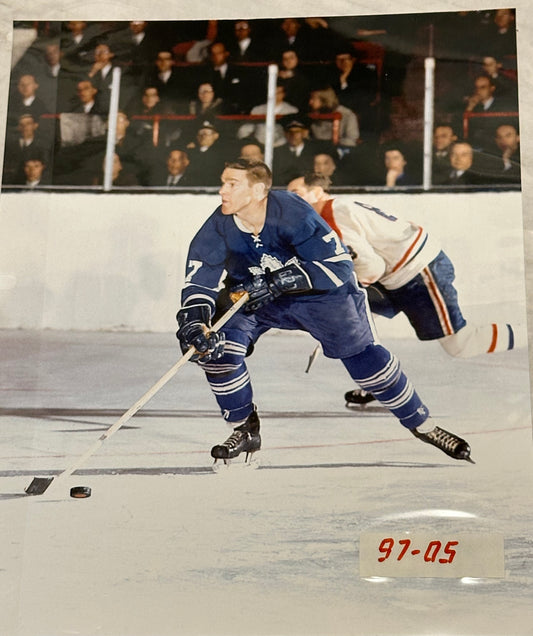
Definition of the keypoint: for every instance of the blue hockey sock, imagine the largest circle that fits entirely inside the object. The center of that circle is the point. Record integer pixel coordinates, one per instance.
(230, 382)
(233, 393)
(377, 371)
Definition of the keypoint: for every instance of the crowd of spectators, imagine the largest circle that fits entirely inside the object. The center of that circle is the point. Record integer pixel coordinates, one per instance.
(193, 95)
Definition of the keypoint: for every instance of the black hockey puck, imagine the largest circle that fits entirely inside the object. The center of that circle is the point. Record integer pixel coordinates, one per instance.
(80, 492)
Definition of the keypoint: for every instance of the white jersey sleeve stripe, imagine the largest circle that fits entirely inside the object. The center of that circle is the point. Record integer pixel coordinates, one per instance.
(329, 273)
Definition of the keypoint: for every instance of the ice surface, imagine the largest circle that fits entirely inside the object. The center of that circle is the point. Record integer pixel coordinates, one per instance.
(164, 546)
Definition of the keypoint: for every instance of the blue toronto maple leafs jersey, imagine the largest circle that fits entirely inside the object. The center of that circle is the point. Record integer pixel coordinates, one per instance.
(223, 249)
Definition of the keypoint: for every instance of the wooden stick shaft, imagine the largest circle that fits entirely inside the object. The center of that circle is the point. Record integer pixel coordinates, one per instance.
(149, 394)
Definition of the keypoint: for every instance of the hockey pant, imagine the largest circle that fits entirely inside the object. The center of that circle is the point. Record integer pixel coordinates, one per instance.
(431, 305)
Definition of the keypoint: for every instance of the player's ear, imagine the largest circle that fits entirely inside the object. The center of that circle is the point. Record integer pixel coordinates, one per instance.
(259, 191)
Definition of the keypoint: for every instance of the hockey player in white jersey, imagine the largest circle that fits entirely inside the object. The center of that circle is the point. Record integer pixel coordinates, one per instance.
(404, 270)
(298, 276)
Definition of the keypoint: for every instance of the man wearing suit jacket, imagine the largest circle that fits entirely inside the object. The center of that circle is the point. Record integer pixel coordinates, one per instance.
(20, 146)
(229, 81)
(296, 157)
(461, 160)
(174, 173)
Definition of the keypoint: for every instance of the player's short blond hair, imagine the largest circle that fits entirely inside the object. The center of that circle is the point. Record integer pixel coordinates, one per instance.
(256, 171)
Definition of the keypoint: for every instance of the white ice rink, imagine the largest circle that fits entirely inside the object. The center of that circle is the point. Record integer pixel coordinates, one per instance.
(165, 547)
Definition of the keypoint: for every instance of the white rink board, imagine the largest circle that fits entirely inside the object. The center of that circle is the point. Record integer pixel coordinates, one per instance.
(108, 262)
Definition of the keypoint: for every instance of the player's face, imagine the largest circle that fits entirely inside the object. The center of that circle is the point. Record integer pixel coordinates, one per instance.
(236, 191)
(298, 187)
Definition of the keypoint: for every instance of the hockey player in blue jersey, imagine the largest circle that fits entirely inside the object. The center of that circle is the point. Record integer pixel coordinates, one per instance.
(404, 271)
(299, 276)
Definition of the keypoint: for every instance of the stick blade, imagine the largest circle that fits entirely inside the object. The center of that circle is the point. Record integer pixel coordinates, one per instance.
(38, 485)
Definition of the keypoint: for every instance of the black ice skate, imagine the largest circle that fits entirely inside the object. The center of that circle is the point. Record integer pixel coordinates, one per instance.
(358, 397)
(449, 443)
(245, 438)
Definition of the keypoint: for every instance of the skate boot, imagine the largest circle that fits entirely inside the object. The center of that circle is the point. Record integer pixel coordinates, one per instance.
(244, 438)
(449, 443)
(358, 397)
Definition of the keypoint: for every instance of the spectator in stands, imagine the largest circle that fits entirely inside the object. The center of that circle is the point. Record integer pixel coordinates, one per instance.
(86, 100)
(291, 37)
(21, 145)
(149, 121)
(101, 74)
(244, 47)
(120, 176)
(506, 86)
(26, 100)
(443, 140)
(136, 48)
(508, 142)
(149, 104)
(207, 156)
(397, 165)
(229, 81)
(296, 157)
(35, 173)
(484, 100)
(166, 79)
(324, 101)
(134, 154)
(252, 150)
(501, 34)
(174, 172)
(356, 86)
(294, 80)
(54, 82)
(258, 129)
(76, 45)
(207, 104)
(325, 163)
(502, 166)
(462, 161)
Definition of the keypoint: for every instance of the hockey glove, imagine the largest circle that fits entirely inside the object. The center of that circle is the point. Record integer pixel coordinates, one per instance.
(263, 288)
(194, 322)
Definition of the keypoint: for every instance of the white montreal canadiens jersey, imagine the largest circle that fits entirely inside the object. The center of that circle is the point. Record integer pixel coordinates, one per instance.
(223, 249)
(388, 249)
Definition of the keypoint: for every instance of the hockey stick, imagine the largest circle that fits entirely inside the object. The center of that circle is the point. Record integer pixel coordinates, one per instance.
(40, 484)
(312, 358)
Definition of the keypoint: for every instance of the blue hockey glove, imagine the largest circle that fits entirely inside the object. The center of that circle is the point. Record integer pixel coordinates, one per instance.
(194, 322)
(264, 288)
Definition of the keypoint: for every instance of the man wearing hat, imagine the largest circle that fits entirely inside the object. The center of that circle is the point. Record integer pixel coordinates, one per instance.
(207, 154)
(296, 157)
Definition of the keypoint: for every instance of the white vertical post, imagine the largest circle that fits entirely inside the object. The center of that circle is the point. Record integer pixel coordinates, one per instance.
(429, 109)
(270, 114)
(111, 130)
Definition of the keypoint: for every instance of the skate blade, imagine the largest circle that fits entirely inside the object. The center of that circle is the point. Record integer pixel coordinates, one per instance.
(251, 462)
(368, 407)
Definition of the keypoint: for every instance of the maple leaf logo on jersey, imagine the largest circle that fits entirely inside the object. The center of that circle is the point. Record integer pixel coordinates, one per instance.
(267, 261)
